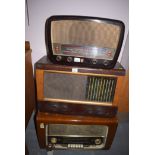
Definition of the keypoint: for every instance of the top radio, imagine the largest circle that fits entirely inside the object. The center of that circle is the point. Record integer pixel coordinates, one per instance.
(84, 41)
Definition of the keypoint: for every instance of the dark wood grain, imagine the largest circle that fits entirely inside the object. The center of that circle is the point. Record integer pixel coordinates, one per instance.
(77, 109)
(69, 119)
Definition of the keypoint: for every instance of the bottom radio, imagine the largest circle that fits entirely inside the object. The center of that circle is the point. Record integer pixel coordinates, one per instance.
(75, 132)
(63, 136)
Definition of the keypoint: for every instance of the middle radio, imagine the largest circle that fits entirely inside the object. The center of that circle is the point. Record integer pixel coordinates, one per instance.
(77, 91)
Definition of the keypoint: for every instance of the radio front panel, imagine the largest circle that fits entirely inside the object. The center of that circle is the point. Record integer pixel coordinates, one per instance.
(56, 131)
(77, 88)
(78, 91)
(64, 136)
(84, 41)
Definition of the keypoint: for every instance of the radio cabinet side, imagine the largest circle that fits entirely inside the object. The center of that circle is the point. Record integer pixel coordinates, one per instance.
(117, 90)
(40, 84)
(40, 129)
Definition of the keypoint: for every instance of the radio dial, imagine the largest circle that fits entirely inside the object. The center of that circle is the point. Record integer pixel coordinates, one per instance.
(69, 59)
(58, 58)
(98, 141)
(53, 140)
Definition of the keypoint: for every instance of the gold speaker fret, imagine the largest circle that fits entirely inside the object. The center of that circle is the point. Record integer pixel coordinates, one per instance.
(103, 87)
(91, 87)
(105, 92)
(109, 94)
(96, 92)
(108, 87)
(95, 88)
(100, 89)
(88, 85)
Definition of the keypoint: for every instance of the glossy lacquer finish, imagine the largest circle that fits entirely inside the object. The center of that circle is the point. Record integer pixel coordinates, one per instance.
(84, 41)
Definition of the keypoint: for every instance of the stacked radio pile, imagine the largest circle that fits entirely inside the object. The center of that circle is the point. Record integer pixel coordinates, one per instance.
(77, 96)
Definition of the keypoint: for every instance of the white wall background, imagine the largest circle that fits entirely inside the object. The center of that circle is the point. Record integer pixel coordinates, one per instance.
(125, 55)
(40, 10)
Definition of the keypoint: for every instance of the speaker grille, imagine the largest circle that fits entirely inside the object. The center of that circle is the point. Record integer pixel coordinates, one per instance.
(101, 89)
(77, 87)
(85, 33)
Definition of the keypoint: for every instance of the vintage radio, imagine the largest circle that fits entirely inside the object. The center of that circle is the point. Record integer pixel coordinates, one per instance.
(84, 41)
(77, 91)
(75, 132)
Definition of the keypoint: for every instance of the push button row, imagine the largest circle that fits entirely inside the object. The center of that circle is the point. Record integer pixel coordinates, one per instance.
(75, 145)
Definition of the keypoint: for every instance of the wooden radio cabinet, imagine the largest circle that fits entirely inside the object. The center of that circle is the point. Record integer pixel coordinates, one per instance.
(45, 119)
(76, 90)
(76, 104)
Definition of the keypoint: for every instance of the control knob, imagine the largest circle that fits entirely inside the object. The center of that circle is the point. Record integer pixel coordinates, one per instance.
(58, 58)
(69, 59)
(94, 61)
(53, 140)
(106, 62)
(98, 141)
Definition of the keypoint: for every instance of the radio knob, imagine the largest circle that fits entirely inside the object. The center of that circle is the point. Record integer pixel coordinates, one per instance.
(106, 62)
(98, 141)
(69, 59)
(49, 145)
(53, 140)
(58, 58)
(94, 61)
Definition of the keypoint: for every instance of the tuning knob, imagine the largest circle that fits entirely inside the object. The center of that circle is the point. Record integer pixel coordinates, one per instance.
(53, 140)
(58, 58)
(98, 141)
(94, 61)
(69, 59)
(106, 62)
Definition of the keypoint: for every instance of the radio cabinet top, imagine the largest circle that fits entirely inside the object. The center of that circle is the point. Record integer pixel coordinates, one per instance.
(45, 64)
